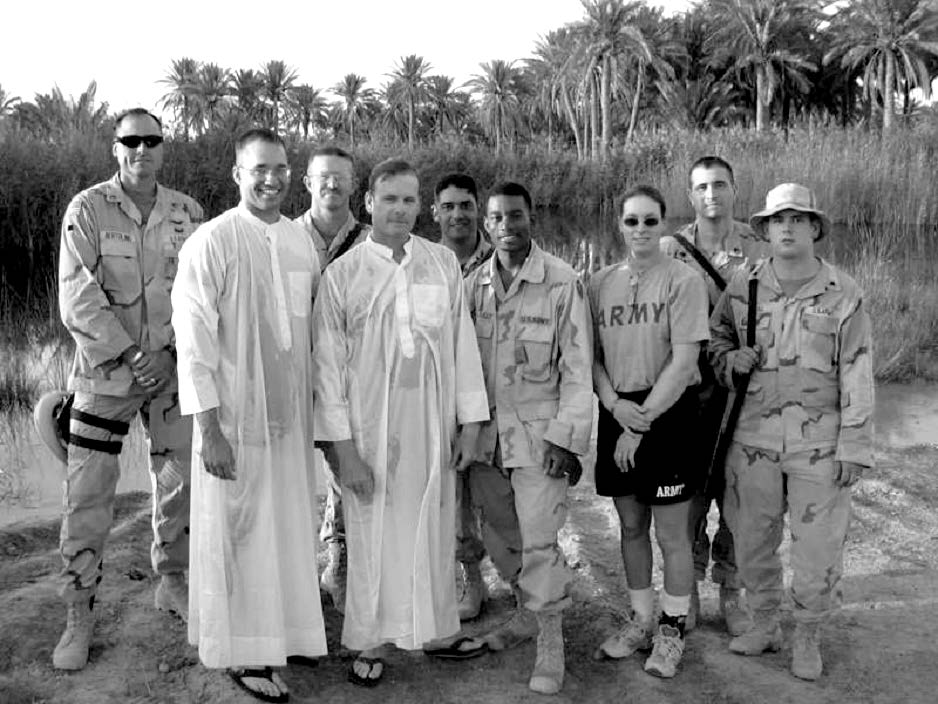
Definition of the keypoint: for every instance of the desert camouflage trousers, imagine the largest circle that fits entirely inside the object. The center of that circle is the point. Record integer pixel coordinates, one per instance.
(91, 484)
(759, 486)
(469, 546)
(522, 510)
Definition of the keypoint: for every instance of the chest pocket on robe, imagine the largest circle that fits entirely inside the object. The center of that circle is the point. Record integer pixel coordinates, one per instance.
(817, 342)
(121, 278)
(536, 345)
(431, 303)
(301, 292)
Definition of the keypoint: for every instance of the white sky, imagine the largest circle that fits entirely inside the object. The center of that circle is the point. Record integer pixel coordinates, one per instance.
(127, 47)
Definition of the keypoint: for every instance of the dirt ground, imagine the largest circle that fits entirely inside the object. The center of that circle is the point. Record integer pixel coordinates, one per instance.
(880, 648)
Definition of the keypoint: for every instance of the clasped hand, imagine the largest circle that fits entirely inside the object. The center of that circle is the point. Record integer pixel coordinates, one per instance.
(152, 370)
(560, 462)
(746, 359)
(629, 414)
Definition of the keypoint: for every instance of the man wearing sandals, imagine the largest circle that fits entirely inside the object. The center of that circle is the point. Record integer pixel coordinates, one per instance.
(242, 305)
(805, 430)
(533, 327)
(116, 265)
(716, 246)
(397, 369)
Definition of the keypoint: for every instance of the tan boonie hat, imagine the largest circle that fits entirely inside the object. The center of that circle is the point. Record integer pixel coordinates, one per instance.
(790, 196)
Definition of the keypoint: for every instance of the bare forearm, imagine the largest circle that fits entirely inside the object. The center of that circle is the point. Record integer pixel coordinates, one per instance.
(603, 386)
(670, 385)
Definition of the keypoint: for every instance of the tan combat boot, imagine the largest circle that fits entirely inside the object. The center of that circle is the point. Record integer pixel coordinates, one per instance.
(172, 594)
(547, 677)
(71, 653)
(734, 610)
(473, 592)
(764, 635)
(806, 652)
(520, 628)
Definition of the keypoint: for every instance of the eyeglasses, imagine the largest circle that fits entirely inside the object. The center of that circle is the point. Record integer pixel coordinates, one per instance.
(260, 172)
(633, 222)
(133, 141)
(324, 178)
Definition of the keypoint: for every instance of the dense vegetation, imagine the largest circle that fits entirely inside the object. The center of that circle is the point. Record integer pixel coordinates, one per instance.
(828, 94)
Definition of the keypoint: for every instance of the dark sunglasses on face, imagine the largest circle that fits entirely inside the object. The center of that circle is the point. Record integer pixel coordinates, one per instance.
(633, 222)
(132, 141)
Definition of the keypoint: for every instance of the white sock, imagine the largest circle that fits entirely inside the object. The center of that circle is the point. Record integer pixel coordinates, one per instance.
(674, 605)
(643, 603)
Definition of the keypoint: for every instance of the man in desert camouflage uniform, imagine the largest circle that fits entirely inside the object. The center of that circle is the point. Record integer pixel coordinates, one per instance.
(330, 180)
(805, 432)
(535, 335)
(714, 238)
(456, 209)
(120, 242)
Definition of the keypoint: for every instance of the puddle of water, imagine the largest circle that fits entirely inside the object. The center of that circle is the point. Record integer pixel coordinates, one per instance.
(907, 414)
(31, 477)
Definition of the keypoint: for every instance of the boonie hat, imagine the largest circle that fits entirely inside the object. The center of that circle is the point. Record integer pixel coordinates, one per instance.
(791, 196)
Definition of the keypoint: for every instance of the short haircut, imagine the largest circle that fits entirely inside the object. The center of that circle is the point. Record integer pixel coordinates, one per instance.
(710, 162)
(329, 150)
(388, 169)
(510, 188)
(464, 182)
(258, 134)
(136, 112)
(643, 189)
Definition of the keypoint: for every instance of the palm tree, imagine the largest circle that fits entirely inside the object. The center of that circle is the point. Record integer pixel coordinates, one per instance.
(306, 106)
(446, 104)
(891, 40)
(409, 86)
(211, 91)
(182, 80)
(609, 37)
(7, 102)
(351, 89)
(246, 86)
(278, 78)
(755, 34)
(556, 69)
(501, 90)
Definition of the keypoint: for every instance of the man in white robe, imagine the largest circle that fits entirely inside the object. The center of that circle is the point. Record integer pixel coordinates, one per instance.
(397, 369)
(242, 304)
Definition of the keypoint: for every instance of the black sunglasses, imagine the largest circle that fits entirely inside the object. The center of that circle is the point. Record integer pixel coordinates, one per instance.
(633, 222)
(132, 141)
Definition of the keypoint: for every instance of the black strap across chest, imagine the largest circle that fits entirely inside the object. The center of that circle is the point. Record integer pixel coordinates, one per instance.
(702, 260)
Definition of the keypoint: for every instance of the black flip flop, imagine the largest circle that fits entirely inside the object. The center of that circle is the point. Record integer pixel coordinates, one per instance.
(355, 678)
(264, 673)
(454, 652)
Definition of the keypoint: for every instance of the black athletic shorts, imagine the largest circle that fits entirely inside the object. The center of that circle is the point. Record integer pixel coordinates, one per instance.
(669, 463)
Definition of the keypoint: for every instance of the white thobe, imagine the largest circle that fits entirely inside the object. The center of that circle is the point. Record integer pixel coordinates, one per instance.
(397, 368)
(242, 303)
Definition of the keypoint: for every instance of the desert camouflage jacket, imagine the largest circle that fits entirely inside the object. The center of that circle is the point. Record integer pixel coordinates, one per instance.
(536, 345)
(479, 256)
(743, 250)
(115, 277)
(814, 386)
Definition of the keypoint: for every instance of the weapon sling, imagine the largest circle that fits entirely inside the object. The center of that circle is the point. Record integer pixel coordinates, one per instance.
(346, 243)
(702, 260)
(726, 435)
